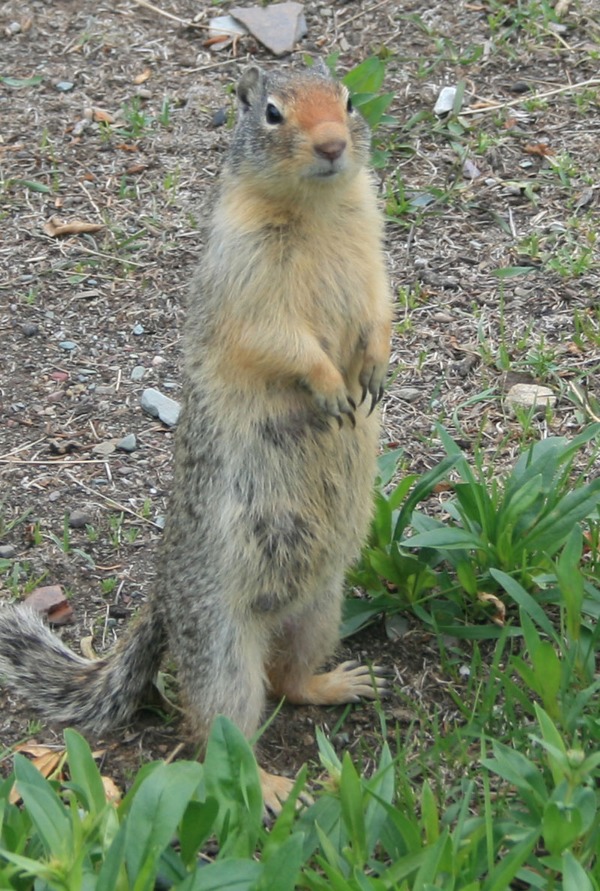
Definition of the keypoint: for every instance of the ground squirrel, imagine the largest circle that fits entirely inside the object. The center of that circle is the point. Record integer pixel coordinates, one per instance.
(285, 353)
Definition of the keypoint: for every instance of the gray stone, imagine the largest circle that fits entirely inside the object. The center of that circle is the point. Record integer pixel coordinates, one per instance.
(67, 345)
(278, 26)
(128, 443)
(408, 394)
(138, 329)
(30, 329)
(160, 406)
(138, 373)
(7, 552)
(104, 449)
(80, 518)
(64, 86)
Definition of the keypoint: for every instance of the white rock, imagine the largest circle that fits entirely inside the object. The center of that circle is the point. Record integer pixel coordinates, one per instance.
(445, 101)
(530, 396)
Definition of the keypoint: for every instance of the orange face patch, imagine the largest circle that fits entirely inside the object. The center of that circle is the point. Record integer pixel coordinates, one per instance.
(319, 106)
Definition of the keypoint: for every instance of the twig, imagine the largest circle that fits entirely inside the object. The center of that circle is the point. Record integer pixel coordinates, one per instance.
(53, 461)
(21, 448)
(113, 503)
(169, 15)
(593, 81)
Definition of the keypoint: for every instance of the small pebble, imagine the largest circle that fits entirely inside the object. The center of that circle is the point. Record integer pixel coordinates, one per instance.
(30, 329)
(408, 394)
(7, 552)
(104, 449)
(138, 373)
(67, 345)
(138, 329)
(80, 518)
(219, 118)
(128, 443)
(64, 86)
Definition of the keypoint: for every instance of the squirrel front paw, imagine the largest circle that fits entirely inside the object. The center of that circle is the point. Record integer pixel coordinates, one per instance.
(330, 395)
(337, 405)
(372, 379)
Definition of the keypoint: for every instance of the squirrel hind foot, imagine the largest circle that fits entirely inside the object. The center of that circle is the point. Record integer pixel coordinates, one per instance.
(275, 791)
(348, 682)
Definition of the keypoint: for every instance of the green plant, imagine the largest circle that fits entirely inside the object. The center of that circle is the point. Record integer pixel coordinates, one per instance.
(64, 543)
(515, 525)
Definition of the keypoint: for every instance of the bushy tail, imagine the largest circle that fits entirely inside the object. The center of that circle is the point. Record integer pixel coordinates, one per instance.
(68, 689)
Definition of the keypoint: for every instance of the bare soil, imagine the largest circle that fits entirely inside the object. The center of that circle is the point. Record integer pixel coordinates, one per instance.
(123, 130)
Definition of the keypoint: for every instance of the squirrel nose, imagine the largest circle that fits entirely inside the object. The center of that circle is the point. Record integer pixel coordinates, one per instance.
(330, 150)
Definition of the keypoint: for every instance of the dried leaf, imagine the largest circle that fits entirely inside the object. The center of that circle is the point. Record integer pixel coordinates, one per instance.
(143, 77)
(541, 149)
(500, 615)
(102, 116)
(48, 762)
(86, 645)
(111, 790)
(136, 168)
(54, 227)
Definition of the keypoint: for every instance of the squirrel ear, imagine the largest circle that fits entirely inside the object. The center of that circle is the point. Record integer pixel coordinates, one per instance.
(249, 85)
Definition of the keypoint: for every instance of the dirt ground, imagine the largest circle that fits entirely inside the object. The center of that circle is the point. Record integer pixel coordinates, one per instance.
(123, 130)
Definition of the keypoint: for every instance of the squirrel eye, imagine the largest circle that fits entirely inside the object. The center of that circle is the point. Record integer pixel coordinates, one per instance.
(349, 105)
(273, 115)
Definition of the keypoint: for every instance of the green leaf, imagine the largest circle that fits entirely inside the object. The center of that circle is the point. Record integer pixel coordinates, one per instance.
(387, 464)
(18, 83)
(45, 808)
(429, 814)
(197, 824)
(232, 874)
(575, 877)
(505, 871)
(351, 799)
(560, 827)
(556, 526)
(513, 271)
(554, 744)
(32, 185)
(527, 603)
(367, 77)
(281, 869)
(85, 776)
(518, 500)
(231, 776)
(155, 812)
(517, 769)
(448, 538)
(382, 521)
(111, 875)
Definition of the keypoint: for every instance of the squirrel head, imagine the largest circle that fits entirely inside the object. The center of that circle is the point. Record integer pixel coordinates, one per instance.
(297, 128)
